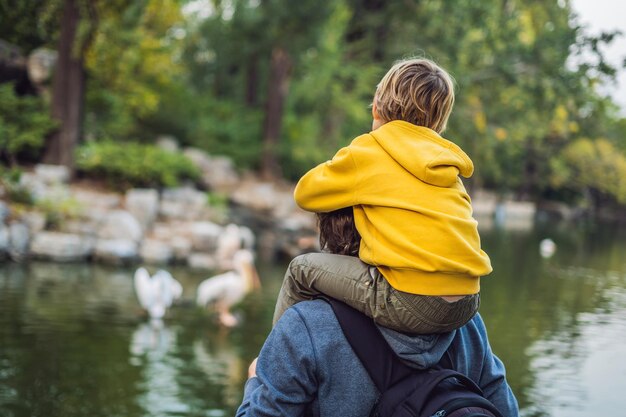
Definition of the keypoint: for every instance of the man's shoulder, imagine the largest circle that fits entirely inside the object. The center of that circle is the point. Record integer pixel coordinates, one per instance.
(313, 309)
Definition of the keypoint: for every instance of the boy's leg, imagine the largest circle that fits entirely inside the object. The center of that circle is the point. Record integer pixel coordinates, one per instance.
(424, 314)
(361, 286)
(345, 278)
(413, 313)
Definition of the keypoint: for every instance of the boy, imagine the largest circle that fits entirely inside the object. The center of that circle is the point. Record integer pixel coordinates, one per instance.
(410, 208)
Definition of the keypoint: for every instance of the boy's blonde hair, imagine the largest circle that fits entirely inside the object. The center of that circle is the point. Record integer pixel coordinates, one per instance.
(417, 91)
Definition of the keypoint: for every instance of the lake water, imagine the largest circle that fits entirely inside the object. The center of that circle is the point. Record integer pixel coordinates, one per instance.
(73, 341)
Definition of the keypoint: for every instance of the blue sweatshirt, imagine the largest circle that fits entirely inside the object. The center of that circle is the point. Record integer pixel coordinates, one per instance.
(307, 362)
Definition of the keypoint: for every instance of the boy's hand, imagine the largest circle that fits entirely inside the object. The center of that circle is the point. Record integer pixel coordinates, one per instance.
(252, 369)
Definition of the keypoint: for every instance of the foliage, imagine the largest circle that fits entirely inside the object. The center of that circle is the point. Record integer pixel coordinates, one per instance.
(13, 189)
(28, 23)
(593, 168)
(24, 124)
(526, 72)
(129, 164)
(328, 106)
(131, 60)
(218, 202)
(227, 128)
(59, 209)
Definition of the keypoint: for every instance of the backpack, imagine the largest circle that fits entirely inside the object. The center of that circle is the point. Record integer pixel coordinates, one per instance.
(406, 391)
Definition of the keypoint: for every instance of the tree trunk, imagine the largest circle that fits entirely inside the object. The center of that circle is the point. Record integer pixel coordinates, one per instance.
(528, 187)
(278, 86)
(252, 81)
(68, 91)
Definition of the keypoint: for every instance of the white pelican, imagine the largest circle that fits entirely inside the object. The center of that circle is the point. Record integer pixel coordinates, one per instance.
(228, 244)
(547, 247)
(229, 288)
(157, 293)
(230, 241)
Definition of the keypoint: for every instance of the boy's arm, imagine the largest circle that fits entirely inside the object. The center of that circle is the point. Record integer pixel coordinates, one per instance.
(330, 185)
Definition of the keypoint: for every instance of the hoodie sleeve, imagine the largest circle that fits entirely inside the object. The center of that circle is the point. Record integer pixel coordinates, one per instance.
(330, 185)
(285, 384)
(493, 379)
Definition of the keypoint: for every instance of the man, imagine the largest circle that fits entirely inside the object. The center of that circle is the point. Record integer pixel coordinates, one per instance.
(307, 366)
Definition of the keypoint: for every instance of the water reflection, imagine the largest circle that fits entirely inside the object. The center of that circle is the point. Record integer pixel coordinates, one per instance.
(577, 368)
(61, 295)
(74, 341)
(221, 365)
(151, 347)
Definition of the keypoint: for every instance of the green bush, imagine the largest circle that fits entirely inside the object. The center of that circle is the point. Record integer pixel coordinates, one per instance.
(24, 124)
(14, 191)
(593, 165)
(57, 210)
(127, 164)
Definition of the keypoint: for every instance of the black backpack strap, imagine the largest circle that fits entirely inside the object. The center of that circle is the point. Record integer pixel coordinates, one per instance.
(380, 361)
(383, 364)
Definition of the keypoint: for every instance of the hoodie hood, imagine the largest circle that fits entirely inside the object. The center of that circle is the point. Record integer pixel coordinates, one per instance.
(418, 351)
(424, 153)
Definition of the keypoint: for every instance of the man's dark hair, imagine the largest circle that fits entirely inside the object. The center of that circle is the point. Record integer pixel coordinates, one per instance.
(338, 233)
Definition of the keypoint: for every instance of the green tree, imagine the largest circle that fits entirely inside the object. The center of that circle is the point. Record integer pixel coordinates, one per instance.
(595, 170)
(132, 63)
(24, 122)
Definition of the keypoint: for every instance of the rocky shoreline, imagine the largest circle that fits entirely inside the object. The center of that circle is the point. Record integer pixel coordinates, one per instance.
(173, 225)
(81, 221)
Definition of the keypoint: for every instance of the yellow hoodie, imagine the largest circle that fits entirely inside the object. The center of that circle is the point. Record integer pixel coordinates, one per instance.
(410, 207)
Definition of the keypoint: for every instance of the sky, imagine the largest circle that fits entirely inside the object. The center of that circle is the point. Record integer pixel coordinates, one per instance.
(606, 15)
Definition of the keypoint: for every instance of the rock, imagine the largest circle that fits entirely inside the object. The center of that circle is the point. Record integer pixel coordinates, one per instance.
(79, 227)
(52, 174)
(204, 236)
(198, 157)
(60, 247)
(4, 240)
(202, 261)
(484, 204)
(259, 196)
(177, 235)
(299, 221)
(96, 200)
(120, 224)
(34, 185)
(143, 204)
(116, 251)
(181, 247)
(218, 172)
(167, 143)
(520, 209)
(35, 220)
(19, 239)
(183, 204)
(220, 175)
(515, 215)
(156, 252)
(164, 231)
(4, 212)
(173, 210)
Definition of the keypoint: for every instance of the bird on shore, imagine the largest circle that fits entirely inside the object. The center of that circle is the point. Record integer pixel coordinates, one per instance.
(232, 239)
(547, 247)
(156, 293)
(223, 291)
